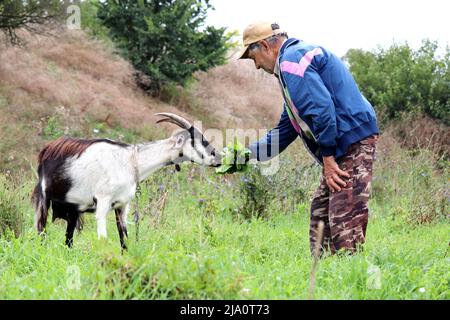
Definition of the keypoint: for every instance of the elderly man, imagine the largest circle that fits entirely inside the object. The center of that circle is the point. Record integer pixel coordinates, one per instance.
(324, 107)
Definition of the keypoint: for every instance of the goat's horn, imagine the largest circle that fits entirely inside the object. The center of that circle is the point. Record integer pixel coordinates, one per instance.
(173, 118)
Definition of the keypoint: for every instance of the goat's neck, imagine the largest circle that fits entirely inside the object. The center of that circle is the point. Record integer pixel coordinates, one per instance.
(151, 157)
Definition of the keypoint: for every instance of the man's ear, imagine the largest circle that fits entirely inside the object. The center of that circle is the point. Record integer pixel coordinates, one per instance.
(178, 141)
(265, 44)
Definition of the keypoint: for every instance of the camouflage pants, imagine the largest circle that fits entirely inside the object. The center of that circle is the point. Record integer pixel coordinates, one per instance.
(345, 213)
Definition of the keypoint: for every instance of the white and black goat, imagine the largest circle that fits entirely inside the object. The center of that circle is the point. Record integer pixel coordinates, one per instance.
(99, 175)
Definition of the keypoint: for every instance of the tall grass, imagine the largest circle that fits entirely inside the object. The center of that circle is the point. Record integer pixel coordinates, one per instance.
(200, 245)
(12, 218)
(201, 235)
(413, 183)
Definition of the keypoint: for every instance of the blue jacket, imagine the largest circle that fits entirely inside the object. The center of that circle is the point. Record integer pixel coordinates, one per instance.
(320, 92)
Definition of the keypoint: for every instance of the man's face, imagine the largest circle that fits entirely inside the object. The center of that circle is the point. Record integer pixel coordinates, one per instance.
(264, 57)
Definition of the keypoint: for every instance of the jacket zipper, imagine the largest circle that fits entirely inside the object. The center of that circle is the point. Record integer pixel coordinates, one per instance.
(286, 102)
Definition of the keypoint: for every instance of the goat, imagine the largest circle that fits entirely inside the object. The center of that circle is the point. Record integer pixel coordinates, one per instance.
(98, 175)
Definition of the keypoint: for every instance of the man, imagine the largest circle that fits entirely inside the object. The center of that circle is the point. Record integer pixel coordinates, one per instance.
(338, 126)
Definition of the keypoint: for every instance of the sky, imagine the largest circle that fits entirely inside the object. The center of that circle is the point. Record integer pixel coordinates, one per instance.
(342, 24)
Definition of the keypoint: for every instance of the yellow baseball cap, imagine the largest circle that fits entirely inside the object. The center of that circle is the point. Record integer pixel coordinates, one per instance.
(256, 32)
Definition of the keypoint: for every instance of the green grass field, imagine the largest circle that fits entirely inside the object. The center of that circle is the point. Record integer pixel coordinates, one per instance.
(199, 245)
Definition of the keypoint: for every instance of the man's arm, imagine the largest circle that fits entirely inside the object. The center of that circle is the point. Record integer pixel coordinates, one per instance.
(275, 141)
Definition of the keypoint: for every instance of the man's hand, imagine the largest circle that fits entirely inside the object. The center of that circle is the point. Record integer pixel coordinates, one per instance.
(333, 174)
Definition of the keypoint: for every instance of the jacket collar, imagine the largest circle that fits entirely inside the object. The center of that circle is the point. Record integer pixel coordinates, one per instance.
(285, 44)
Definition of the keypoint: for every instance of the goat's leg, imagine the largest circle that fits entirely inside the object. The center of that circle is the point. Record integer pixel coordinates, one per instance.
(121, 228)
(72, 218)
(124, 217)
(103, 207)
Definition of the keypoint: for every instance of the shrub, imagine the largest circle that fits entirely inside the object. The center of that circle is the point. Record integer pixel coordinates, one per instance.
(165, 39)
(256, 193)
(400, 79)
(90, 21)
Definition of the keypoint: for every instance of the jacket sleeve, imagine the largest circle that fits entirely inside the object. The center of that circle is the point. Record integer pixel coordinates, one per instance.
(315, 106)
(276, 140)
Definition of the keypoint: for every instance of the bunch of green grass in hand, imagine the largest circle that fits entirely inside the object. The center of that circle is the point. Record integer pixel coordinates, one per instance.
(234, 158)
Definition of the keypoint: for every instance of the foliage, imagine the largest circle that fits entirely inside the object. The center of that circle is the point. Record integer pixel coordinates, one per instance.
(234, 158)
(165, 39)
(90, 21)
(15, 14)
(400, 79)
(256, 193)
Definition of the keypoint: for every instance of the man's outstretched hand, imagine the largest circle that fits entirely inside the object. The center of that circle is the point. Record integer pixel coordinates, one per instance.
(333, 174)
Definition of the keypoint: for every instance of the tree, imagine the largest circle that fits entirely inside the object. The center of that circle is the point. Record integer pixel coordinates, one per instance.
(165, 39)
(402, 80)
(15, 14)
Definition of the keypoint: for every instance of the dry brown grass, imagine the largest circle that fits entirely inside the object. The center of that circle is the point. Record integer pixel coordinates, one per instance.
(80, 80)
(79, 73)
(239, 95)
(68, 72)
(420, 131)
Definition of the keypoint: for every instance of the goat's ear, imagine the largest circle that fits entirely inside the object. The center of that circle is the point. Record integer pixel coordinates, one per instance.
(179, 141)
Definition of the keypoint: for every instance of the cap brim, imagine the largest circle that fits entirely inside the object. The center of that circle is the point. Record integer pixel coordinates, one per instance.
(244, 53)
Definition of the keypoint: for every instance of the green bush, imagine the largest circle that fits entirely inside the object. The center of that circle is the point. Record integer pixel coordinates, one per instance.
(256, 193)
(400, 79)
(90, 22)
(165, 39)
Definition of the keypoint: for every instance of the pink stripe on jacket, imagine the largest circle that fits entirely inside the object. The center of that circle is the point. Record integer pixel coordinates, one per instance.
(300, 68)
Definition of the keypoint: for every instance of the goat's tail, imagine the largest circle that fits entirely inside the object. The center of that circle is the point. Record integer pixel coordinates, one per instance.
(80, 223)
(41, 208)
